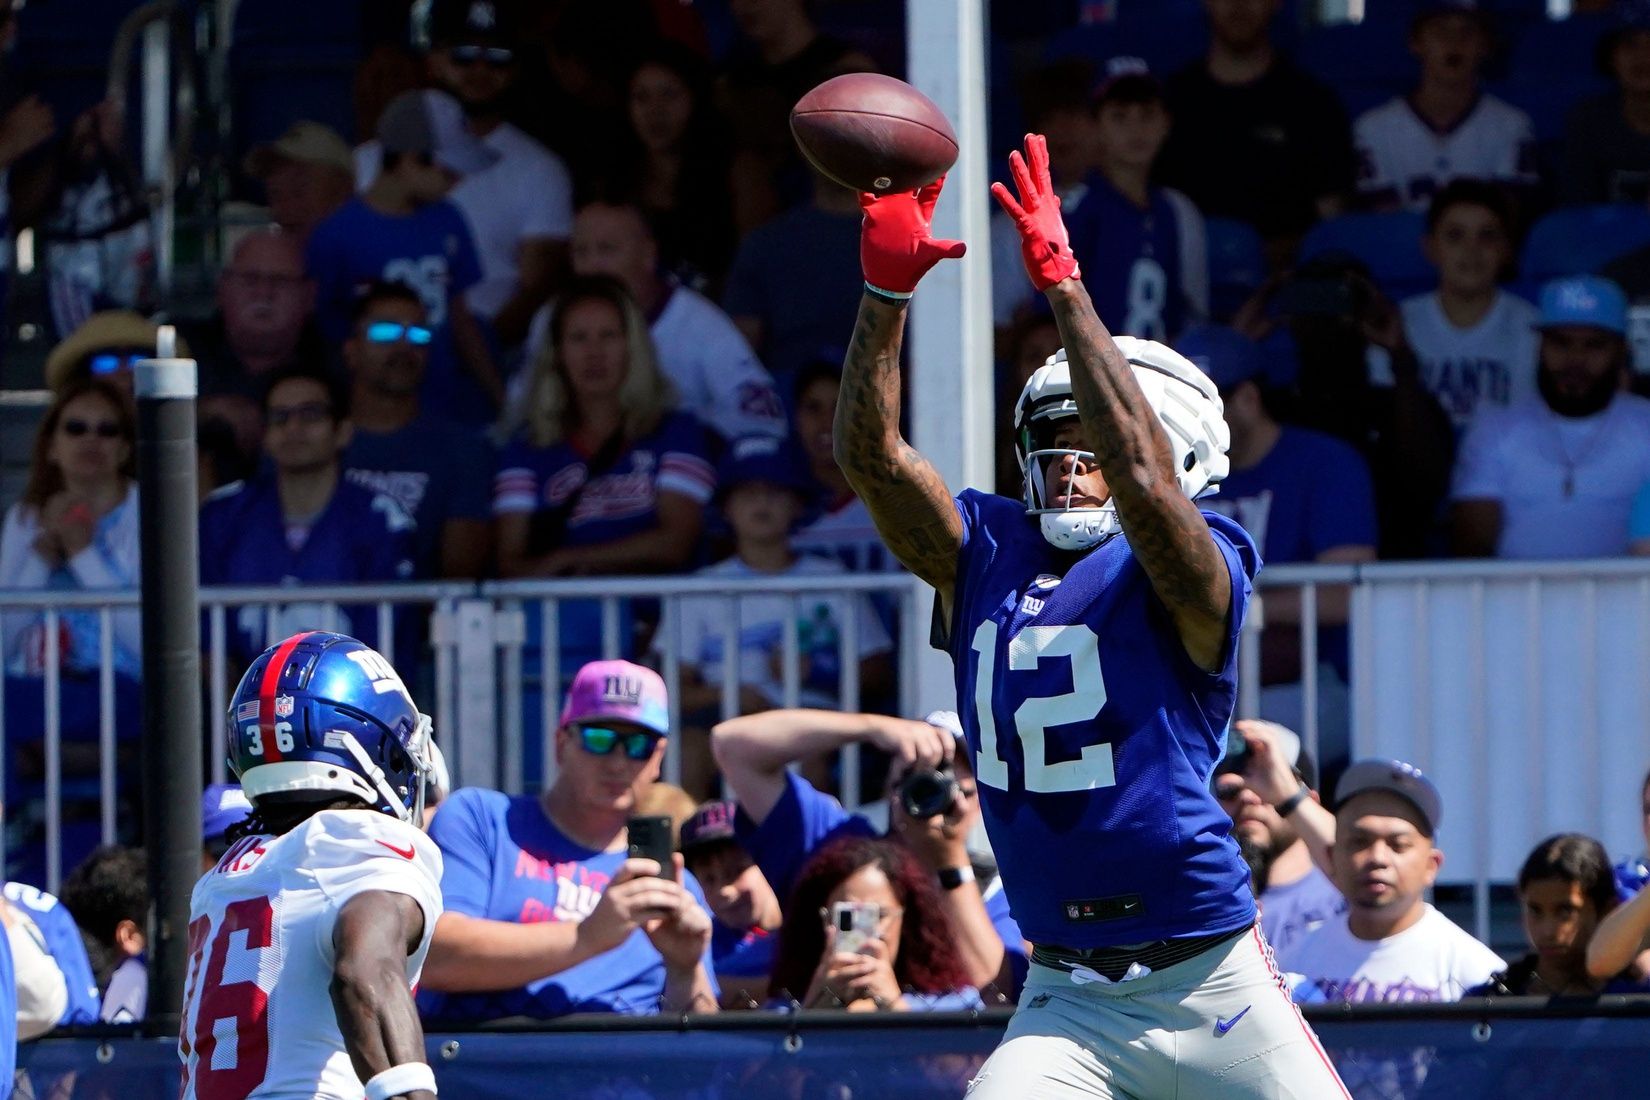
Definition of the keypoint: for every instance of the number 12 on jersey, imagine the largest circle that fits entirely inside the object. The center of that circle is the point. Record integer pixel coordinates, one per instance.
(1079, 645)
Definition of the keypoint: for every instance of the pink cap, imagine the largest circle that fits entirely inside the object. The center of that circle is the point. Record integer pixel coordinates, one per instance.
(618, 691)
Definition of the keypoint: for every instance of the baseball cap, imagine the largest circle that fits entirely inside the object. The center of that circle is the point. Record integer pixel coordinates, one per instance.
(1224, 354)
(432, 123)
(222, 805)
(1289, 744)
(470, 21)
(1589, 300)
(759, 458)
(1128, 78)
(710, 824)
(1403, 780)
(305, 141)
(618, 691)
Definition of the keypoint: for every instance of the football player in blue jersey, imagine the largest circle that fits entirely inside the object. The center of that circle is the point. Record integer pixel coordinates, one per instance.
(1095, 676)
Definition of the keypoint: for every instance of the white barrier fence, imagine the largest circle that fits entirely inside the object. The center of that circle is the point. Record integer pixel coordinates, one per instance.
(1520, 688)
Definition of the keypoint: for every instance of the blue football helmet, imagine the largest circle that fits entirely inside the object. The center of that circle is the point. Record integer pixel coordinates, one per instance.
(323, 713)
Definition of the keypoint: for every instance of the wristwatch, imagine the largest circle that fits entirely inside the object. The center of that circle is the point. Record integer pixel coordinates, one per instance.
(953, 877)
(1292, 803)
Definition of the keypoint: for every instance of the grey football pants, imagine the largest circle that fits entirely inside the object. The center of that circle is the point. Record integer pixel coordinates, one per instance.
(1219, 1026)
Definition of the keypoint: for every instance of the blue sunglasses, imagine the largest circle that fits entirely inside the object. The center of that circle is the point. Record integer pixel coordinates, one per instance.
(389, 332)
(110, 363)
(601, 740)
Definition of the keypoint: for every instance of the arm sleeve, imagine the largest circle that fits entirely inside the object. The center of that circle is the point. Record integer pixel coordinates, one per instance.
(67, 949)
(516, 484)
(42, 992)
(467, 852)
(800, 822)
(377, 849)
(683, 467)
(1478, 472)
(743, 398)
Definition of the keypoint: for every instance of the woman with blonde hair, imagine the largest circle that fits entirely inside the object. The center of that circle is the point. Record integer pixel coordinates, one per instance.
(603, 474)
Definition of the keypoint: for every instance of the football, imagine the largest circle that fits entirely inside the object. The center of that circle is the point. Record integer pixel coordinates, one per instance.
(873, 133)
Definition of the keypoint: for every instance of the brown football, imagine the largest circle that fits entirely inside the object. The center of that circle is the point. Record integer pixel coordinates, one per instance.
(873, 133)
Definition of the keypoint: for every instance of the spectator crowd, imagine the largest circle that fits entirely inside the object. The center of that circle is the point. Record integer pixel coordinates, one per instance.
(564, 310)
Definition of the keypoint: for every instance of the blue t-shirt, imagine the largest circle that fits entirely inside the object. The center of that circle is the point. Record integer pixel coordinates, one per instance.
(504, 860)
(1094, 735)
(434, 469)
(617, 503)
(359, 536)
(1132, 265)
(806, 819)
(799, 275)
(431, 251)
(64, 945)
(1310, 493)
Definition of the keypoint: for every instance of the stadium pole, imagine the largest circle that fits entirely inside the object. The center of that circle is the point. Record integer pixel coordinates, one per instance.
(951, 392)
(166, 389)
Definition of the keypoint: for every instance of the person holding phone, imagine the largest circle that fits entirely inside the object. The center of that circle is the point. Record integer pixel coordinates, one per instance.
(866, 932)
(550, 906)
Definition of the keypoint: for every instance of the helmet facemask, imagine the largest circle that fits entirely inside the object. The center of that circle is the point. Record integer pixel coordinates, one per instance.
(1065, 526)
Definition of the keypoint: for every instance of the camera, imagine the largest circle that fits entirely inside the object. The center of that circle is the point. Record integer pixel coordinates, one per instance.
(925, 792)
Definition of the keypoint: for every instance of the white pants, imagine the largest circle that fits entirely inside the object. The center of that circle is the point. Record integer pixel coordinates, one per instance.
(1220, 1026)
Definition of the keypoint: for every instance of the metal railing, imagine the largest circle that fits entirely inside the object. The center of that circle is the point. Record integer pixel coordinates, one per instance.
(1517, 686)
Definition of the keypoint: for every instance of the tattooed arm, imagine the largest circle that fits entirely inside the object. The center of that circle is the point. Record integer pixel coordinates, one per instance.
(1164, 528)
(905, 495)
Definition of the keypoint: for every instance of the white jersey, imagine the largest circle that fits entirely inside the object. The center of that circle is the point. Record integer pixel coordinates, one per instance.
(1404, 161)
(258, 1019)
(1489, 365)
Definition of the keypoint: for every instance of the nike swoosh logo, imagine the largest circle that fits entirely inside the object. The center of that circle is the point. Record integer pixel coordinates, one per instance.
(1221, 1026)
(408, 853)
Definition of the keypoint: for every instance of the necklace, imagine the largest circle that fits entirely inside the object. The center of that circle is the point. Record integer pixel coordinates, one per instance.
(1590, 444)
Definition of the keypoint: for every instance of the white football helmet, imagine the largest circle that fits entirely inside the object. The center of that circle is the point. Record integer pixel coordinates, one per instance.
(1187, 404)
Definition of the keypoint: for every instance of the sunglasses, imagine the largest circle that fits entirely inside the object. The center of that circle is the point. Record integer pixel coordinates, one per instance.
(389, 332)
(110, 363)
(312, 413)
(601, 740)
(496, 56)
(103, 429)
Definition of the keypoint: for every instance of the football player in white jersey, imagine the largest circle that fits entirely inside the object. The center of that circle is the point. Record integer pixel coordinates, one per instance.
(306, 938)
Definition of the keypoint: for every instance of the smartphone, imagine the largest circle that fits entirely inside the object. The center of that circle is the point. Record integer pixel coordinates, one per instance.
(653, 838)
(855, 923)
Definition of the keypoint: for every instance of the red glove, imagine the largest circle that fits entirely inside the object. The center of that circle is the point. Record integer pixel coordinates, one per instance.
(896, 246)
(1044, 245)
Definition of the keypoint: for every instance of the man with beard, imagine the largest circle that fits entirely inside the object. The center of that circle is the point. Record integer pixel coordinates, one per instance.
(1295, 896)
(1554, 476)
(439, 472)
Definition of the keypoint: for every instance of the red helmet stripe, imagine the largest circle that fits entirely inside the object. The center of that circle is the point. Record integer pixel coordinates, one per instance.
(266, 695)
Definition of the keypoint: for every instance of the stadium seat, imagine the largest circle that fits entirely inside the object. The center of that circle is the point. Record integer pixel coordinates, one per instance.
(1237, 264)
(1582, 239)
(1388, 244)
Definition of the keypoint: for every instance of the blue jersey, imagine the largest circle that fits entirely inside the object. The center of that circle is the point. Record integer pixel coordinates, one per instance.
(504, 860)
(617, 502)
(1137, 264)
(432, 252)
(359, 536)
(1094, 735)
(742, 952)
(64, 945)
(435, 470)
(805, 819)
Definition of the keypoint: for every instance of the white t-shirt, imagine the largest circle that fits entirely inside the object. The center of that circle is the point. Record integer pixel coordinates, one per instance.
(760, 632)
(1431, 960)
(256, 1005)
(848, 534)
(1403, 158)
(716, 374)
(1565, 484)
(1294, 910)
(1490, 365)
(526, 195)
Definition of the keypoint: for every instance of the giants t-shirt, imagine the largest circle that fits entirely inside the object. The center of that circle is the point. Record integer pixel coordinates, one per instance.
(504, 860)
(1490, 365)
(434, 469)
